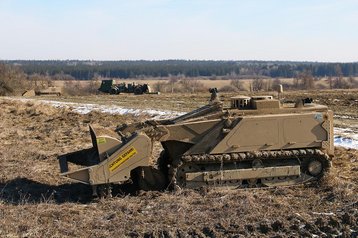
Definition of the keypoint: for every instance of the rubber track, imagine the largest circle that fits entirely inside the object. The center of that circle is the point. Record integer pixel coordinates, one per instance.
(233, 157)
(303, 155)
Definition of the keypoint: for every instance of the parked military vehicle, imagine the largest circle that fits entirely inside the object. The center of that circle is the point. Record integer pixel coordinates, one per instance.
(49, 91)
(256, 141)
(109, 86)
(57, 91)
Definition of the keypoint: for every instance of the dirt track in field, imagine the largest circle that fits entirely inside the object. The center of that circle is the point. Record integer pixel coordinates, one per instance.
(36, 202)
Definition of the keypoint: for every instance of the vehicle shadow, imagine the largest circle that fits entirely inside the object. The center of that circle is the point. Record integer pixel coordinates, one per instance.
(22, 190)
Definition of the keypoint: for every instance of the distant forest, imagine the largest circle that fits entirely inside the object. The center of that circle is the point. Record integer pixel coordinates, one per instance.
(85, 70)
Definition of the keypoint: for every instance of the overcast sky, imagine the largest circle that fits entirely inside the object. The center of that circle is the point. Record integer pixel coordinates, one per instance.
(304, 30)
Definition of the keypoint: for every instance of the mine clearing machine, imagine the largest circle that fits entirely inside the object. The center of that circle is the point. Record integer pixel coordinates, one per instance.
(257, 141)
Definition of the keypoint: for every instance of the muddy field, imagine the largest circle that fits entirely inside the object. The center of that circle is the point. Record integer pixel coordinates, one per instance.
(36, 202)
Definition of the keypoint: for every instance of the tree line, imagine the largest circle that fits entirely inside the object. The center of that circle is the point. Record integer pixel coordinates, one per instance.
(85, 70)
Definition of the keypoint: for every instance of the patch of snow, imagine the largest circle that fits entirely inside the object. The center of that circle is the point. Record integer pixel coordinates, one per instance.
(346, 137)
(323, 213)
(345, 117)
(85, 108)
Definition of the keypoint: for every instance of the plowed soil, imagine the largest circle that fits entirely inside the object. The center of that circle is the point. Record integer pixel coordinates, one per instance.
(36, 202)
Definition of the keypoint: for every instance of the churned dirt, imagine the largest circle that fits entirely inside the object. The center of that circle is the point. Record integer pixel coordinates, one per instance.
(36, 202)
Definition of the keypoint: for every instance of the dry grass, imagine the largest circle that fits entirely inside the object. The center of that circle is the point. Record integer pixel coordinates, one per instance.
(340, 101)
(204, 83)
(36, 202)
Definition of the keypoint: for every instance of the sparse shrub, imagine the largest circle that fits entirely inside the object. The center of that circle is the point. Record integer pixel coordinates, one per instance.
(257, 84)
(172, 82)
(62, 76)
(237, 83)
(74, 88)
(304, 80)
(320, 86)
(92, 86)
(275, 84)
(339, 82)
(12, 80)
(160, 87)
(38, 81)
(228, 88)
(353, 83)
(192, 85)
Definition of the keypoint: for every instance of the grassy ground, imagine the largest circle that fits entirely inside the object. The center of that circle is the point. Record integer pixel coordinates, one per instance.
(36, 202)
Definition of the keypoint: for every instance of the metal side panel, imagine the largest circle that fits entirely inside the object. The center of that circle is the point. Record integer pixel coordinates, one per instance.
(275, 132)
(189, 132)
(241, 174)
(116, 168)
(105, 145)
(80, 175)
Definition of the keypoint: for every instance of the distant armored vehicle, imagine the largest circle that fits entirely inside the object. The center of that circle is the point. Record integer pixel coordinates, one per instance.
(47, 91)
(109, 86)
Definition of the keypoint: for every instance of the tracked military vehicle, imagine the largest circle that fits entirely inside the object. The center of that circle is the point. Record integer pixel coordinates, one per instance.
(256, 141)
(109, 86)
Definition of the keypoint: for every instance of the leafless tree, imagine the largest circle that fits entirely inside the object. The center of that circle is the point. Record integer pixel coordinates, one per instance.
(338, 81)
(237, 83)
(192, 85)
(306, 80)
(172, 82)
(330, 82)
(275, 84)
(257, 84)
(159, 86)
(353, 83)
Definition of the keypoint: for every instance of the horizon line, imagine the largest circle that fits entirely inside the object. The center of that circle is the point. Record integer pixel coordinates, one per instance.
(172, 59)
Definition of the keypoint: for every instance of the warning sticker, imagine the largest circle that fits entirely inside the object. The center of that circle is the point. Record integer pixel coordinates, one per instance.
(101, 140)
(122, 158)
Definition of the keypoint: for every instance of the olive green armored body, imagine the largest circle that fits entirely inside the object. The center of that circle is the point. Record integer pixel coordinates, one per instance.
(256, 141)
